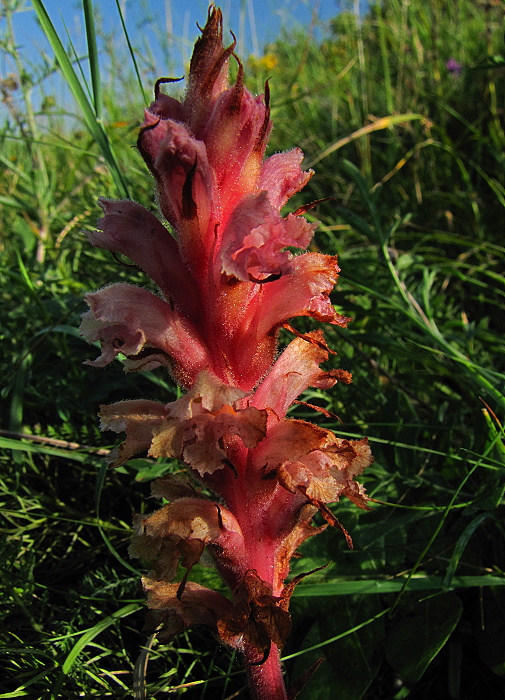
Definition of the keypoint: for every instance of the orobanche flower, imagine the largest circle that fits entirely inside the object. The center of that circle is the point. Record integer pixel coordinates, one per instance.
(221, 257)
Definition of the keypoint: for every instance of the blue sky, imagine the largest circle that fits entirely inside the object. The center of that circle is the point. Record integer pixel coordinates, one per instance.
(255, 22)
(163, 31)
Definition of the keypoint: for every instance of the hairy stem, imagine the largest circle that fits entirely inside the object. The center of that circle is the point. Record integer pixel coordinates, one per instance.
(265, 680)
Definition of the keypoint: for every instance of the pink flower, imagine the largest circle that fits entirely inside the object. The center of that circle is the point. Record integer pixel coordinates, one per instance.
(227, 282)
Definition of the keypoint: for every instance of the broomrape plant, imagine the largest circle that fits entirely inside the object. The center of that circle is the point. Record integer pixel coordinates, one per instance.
(228, 282)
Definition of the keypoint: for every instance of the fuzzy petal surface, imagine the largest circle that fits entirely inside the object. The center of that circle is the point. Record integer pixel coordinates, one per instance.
(132, 230)
(254, 241)
(199, 424)
(175, 611)
(179, 163)
(303, 292)
(295, 370)
(137, 419)
(132, 321)
(282, 177)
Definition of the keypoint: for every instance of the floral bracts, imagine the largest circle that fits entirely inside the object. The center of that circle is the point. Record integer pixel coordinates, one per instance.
(228, 279)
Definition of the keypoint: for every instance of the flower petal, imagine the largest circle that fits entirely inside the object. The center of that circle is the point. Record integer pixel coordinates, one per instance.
(257, 617)
(135, 418)
(254, 240)
(165, 106)
(314, 461)
(176, 610)
(295, 370)
(191, 518)
(199, 424)
(235, 135)
(314, 475)
(179, 163)
(208, 71)
(281, 176)
(303, 292)
(140, 325)
(288, 440)
(132, 230)
(207, 393)
(180, 530)
(172, 487)
(300, 530)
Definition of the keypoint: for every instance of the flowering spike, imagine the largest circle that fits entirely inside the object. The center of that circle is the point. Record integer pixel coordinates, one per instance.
(228, 281)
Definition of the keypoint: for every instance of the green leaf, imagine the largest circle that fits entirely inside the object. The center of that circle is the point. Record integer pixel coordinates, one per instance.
(415, 640)
(321, 686)
(355, 659)
(146, 469)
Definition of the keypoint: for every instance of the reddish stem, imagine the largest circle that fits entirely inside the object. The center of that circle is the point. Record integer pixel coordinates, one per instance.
(243, 496)
(265, 681)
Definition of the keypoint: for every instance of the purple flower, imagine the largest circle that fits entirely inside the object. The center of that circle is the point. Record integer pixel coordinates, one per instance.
(453, 67)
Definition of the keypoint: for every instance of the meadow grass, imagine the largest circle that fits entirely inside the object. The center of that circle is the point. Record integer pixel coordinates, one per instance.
(409, 157)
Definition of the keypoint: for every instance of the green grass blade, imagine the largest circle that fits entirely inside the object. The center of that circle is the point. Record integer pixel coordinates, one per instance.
(90, 117)
(87, 637)
(13, 203)
(378, 125)
(338, 636)
(16, 406)
(367, 197)
(100, 478)
(18, 446)
(132, 53)
(21, 692)
(90, 634)
(442, 521)
(94, 67)
(382, 586)
(461, 546)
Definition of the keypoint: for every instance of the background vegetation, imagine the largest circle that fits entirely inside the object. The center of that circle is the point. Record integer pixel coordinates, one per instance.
(402, 116)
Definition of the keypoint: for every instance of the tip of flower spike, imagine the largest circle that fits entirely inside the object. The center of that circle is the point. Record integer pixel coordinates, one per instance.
(214, 18)
(266, 126)
(209, 55)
